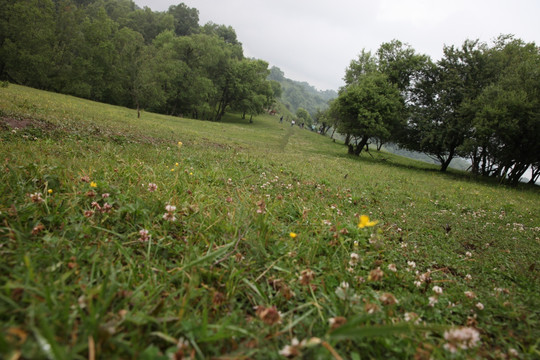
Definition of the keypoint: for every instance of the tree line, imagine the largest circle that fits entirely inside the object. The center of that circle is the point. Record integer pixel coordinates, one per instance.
(115, 52)
(479, 101)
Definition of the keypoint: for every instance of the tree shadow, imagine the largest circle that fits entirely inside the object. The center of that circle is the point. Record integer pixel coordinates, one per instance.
(392, 160)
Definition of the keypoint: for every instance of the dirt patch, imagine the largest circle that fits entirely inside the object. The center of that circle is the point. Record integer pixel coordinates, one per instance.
(10, 123)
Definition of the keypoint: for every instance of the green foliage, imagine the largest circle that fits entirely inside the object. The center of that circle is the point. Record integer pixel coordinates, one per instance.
(304, 116)
(396, 64)
(479, 102)
(400, 63)
(370, 107)
(476, 102)
(186, 19)
(507, 121)
(441, 122)
(366, 64)
(114, 52)
(28, 41)
(226, 33)
(149, 23)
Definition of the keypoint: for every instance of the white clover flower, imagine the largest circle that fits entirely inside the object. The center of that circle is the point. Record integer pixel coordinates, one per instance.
(144, 235)
(438, 289)
(292, 350)
(412, 317)
(513, 352)
(169, 217)
(425, 276)
(354, 259)
(36, 197)
(462, 338)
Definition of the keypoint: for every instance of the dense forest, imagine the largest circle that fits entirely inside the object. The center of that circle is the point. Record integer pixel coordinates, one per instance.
(112, 51)
(479, 102)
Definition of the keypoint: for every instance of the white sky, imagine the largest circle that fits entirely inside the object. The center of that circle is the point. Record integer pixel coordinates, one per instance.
(315, 40)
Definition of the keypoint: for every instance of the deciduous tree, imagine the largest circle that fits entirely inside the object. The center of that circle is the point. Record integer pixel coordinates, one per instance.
(441, 120)
(370, 107)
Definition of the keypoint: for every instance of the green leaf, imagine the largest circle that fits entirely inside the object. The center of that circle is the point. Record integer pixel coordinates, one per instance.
(209, 256)
(355, 331)
(165, 337)
(152, 353)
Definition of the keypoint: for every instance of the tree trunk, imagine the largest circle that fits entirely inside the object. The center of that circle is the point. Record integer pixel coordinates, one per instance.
(475, 159)
(220, 111)
(517, 172)
(535, 175)
(446, 163)
(361, 145)
(501, 172)
(485, 170)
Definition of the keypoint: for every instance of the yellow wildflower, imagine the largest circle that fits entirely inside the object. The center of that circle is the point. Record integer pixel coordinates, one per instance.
(176, 164)
(293, 235)
(364, 222)
(50, 191)
(93, 184)
(180, 144)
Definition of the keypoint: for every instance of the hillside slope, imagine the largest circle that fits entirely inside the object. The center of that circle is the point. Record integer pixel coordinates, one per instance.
(297, 94)
(144, 238)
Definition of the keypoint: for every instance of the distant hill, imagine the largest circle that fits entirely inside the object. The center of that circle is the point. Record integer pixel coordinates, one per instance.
(298, 94)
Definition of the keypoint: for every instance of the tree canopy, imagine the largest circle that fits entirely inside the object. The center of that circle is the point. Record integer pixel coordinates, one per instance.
(477, 102)
(112, 51)
(370, 107)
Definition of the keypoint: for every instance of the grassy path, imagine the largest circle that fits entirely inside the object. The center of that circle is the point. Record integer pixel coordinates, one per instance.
(286, 137)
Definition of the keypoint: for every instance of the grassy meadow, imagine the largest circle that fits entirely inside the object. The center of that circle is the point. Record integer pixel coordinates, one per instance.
(171, 238)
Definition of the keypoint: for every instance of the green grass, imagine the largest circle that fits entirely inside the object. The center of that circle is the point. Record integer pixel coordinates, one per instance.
(77, 282)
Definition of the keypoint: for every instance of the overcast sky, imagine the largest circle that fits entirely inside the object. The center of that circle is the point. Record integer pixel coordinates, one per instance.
(315, 40)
